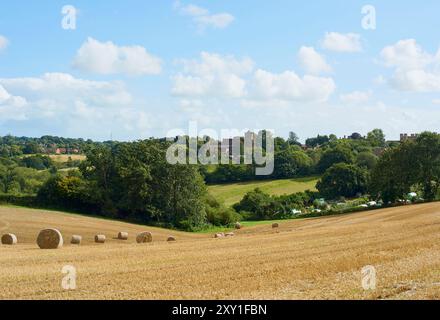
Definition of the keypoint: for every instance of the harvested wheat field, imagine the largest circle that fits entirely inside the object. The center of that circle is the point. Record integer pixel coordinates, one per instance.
(302, 259)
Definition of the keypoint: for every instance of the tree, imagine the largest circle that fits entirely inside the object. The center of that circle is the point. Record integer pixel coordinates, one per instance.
(411, 165)
(390, 179)
(355, 136)
(31, 148)
(291, 163)
(426, 165)
(316, 142)
(339, 154)
(134, 180)
(366, 160)
(256, 204)
(376, 138)
(343, 180)
(293, 139)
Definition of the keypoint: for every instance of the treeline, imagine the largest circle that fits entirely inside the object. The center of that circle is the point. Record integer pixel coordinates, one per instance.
(414, 166)
(133, 181)
(11, 146)
(406, 172)
(293, 160)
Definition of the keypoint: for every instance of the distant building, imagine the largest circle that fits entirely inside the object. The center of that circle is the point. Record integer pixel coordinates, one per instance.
(405, 137)
(66, 151)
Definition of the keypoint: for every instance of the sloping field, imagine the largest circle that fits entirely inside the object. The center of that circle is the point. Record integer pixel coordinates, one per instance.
(65, 157)
(233, 193)
(303, 259)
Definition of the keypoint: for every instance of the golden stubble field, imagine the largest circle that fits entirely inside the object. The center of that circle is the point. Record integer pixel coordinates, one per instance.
(304, 259)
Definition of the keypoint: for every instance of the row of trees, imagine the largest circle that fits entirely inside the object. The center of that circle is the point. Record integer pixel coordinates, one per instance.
(413, 166)
(11, 146)
(293, 161)
(134, 181)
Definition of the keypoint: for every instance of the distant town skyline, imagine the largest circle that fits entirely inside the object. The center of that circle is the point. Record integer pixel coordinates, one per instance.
(135, 69)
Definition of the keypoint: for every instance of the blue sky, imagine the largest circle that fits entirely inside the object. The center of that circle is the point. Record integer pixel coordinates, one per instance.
(136, 69)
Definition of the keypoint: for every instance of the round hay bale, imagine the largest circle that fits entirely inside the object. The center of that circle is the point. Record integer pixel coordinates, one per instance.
(100, 238)
(123, 235)
(238, 226)
(219, 235)
(50, 239)
(144, 237)
(171, 239)
(275, 225)
(9, 239)
(76, 239)
(230, 234)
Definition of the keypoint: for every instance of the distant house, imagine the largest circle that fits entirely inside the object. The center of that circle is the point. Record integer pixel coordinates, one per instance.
(66, 151)
(405, 137)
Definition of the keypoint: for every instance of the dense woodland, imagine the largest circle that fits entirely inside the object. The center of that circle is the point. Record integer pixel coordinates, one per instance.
(133, 181)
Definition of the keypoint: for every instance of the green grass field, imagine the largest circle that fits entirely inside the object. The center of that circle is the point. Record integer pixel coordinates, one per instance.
(233, 193)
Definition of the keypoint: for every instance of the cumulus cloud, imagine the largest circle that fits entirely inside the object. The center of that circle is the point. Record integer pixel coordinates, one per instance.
(212, 75)
(289, 86)
(72, 106)
(405, 54)
(4, 42)
(107, 58)
(312, 61)
(356, 97)
(203, 18)
(414, 69)
(11, 107)
(221, 76)
(349, 42)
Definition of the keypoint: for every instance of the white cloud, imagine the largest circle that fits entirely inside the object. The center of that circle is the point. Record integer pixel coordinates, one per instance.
(416, 80)
(356, 97)
(203, 18)
(349, 42)
(289, 86)
(107, 58)
(62, 87)
(414, 69)
(436, 101)
(11, 107)
(219, 76)
(312, 61)
(213, 75)
(75, 106)
(405, 54)
(4, 42)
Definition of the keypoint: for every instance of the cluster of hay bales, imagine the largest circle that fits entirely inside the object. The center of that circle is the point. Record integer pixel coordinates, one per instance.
(53, 239)
(238, 226)
(144, 237)
(50, 239)
(9, 239)
(224, 235)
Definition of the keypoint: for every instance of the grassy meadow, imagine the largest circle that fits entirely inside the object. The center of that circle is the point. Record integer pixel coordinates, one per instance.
(234, 192)
(63, 158)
